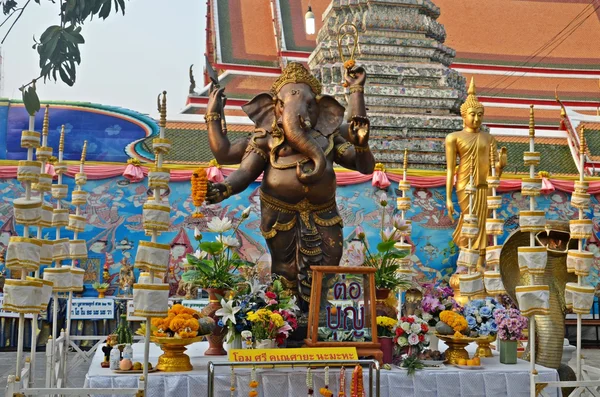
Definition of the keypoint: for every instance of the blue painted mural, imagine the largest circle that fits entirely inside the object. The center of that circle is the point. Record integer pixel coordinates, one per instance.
(114, 224)
(108, 130)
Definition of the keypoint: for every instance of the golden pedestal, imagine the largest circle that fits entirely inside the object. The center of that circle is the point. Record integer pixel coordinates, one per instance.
(483, 346)
(174, 358)
(456, 348)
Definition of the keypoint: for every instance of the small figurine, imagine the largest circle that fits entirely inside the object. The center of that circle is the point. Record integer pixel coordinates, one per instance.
(106, 350)
(246, 340)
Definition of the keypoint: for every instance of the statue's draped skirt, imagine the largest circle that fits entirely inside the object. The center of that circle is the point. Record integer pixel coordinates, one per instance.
(300, 236)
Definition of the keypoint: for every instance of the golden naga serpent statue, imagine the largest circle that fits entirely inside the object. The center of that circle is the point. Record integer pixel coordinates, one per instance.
(550, 329)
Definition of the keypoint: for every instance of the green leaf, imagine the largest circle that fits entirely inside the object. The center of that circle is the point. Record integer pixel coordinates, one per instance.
(212, 247)
(31, 100)
(385, 246)
(65, 77)
(105, 11)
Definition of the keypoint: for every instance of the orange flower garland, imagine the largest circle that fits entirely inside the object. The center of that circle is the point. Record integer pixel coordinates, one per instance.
(199, 188)
(180, 321)
(357, 386)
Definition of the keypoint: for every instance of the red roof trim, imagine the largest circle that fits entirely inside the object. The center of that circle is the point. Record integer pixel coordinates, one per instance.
(295, 54)
(247, 68)
(521, 126)
(204, 100)
(550, 102)
(503, 68)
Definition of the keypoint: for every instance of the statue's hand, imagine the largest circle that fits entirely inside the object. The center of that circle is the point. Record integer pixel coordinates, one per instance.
(216, 193)
(215, 100)
(358, 131)
(502, 160)
(450, 207)
(356, 76)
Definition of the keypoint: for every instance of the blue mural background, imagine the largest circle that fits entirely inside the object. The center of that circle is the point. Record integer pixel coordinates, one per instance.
(114, 224)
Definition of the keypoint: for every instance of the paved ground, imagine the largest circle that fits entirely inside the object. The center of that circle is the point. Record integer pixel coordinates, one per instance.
(76, 376)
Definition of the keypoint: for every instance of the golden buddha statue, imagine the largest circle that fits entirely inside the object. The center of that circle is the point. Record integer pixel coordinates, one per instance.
(472, 146)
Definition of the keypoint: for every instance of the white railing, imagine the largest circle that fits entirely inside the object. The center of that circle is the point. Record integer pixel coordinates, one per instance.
(587, 386)
(86, 356)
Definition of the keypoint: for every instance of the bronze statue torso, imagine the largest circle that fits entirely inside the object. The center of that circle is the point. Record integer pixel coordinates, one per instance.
(278, 180)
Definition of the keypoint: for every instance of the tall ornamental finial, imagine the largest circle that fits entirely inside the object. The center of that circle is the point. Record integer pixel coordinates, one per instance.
(83, 152)
(405, 159)
(46, 121)
(582, 141)
(61, 143)
(163, 111)
(531, 122)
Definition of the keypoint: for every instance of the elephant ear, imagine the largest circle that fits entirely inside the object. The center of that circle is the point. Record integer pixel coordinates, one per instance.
(331, 115)
(261, 110)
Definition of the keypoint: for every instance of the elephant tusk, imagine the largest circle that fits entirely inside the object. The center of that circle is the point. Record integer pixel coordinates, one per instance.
(305, 123)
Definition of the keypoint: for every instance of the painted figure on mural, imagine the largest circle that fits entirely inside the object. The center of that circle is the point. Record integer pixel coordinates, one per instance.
(180, 247)
(299, 134)
(126, 275)
(472, 146)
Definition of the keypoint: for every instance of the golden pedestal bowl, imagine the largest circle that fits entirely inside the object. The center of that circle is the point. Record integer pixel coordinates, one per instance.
(483, 346)
(456, 347)
(174, 358)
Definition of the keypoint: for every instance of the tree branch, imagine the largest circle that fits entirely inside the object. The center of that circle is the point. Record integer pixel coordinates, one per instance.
(10, 16)
(15, 21)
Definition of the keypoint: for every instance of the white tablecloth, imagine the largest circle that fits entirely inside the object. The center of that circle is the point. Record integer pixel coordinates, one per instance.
(496, 380)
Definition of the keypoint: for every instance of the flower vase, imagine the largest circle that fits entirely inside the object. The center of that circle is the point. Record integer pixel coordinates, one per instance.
(266, 344)
(382, 309)
(433, 342)
(387, 347)
(508, 351)
(216, 338)
(236, 343)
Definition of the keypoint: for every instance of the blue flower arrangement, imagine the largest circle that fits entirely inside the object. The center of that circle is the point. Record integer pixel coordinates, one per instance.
(479, 314)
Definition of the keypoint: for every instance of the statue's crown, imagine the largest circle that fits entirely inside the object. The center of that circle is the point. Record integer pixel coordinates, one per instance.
(294, 72)
(472, 101)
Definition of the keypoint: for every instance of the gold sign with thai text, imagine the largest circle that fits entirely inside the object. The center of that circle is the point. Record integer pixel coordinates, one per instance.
(304, 354)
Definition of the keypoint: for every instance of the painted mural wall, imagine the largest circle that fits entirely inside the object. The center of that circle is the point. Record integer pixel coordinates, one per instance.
(114, 224)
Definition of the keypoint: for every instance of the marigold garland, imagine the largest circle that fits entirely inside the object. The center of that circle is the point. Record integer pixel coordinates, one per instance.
(181, 322)
(199, 183)
(454, 320)
(357, 387)
(324, 391)
(253, 383)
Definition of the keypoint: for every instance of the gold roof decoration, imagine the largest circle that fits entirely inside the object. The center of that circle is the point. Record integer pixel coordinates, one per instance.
(295, 72)
(472, 101)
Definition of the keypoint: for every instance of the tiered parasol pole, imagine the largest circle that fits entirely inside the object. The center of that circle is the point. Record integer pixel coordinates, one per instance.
(403, 215)
(580, 247)
(532, 244)
(493, 172)
(21, 331)
(58, 264)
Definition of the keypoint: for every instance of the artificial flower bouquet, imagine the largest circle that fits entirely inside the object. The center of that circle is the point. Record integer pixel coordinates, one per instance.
(411, 334)
(510, 324)
(479, 314)
(181, 323)
(452, 322)
(385, 326)
(436, 299)
(249, 299)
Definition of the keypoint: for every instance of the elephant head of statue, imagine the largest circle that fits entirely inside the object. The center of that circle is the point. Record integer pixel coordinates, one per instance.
(291, 112)
(550, 329)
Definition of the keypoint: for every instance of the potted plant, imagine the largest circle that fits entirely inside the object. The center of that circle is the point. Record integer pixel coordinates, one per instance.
(385, 334)
(510, 325)
(214, 267)
(100, 288)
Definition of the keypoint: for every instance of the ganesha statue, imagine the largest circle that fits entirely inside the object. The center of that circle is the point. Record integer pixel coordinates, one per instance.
(299, 134)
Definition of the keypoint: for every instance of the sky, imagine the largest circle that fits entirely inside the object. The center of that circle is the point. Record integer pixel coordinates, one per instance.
(126, 61)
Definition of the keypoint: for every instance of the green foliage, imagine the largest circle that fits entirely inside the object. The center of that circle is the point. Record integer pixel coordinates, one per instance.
(218, 272)
(412, 364)
(123, 332)
(98, 285)
(386, 263)
(58, 46)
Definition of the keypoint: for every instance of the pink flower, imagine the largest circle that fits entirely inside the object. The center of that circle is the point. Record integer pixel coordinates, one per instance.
(413, 339)
(389, 234)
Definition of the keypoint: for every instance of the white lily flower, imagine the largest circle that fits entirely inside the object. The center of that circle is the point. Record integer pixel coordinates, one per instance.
(228, 241)
(256, 286)
(200, 254)
(227, 311)
(217, 225)
(292, 304)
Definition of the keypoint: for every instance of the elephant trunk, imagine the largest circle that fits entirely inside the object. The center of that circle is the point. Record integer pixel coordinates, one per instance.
(296, 130)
